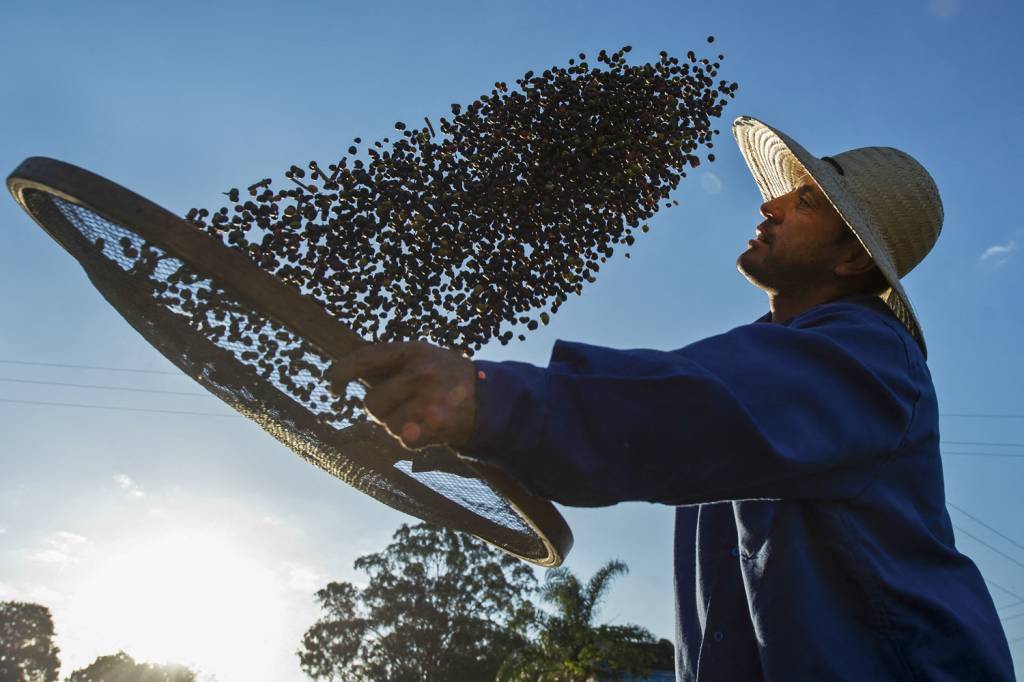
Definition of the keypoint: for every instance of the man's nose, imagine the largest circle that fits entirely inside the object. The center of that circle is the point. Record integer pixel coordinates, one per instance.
(770, 210)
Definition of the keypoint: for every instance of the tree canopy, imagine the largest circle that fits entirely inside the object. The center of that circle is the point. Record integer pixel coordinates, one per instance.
(27, 651)
(569, 646)
(121, 667)
(440, 605)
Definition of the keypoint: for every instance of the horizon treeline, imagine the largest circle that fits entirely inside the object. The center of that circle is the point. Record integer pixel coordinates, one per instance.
(439, 605)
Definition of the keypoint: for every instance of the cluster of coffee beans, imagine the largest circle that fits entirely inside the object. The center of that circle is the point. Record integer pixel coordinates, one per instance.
(484, 224)
(276, 354)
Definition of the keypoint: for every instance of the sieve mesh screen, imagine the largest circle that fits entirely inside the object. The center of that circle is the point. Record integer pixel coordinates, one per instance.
(272, 375)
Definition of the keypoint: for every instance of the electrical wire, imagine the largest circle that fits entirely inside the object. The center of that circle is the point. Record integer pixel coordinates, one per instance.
(114, 407)
(105, 369)
(973, 415)
(106, 388)
(973, 442)
(981, 416)
(974, 518)
(984, 454)
(978, 415)
(993, 548)
(1020, 599)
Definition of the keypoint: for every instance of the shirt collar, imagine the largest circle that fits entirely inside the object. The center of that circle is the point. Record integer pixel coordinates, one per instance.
(858, 299)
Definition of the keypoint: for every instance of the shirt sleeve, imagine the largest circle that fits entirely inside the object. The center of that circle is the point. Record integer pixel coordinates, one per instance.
(770, 411)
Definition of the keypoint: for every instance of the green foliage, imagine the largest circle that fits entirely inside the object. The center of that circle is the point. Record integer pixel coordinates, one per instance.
(27, 651)
(570, 647)
(121, 667)
(440, 606)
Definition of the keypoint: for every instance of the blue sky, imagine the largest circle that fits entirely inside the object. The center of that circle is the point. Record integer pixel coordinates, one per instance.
(180, 101)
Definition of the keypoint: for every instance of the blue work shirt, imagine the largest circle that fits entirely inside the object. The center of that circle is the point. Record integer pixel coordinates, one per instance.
(812, 539)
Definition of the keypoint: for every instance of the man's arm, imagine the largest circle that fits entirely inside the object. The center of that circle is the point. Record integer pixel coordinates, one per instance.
(764, 411)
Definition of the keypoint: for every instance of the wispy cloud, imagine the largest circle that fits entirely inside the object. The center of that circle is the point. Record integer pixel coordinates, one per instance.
(999, 252)
(944, 9)
(130, 486)
(58, 548)
(51, 556)
(302, 578)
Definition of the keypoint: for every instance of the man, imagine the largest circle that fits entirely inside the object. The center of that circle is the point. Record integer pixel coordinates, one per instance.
(802, 451)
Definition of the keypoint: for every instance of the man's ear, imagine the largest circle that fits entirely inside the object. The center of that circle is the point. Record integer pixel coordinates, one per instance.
(854, 262)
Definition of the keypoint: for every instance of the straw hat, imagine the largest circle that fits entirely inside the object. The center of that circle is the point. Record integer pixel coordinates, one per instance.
(886, 197)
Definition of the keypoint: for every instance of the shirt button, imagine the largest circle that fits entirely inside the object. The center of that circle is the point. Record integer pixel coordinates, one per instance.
(718, 636)
(735, 551)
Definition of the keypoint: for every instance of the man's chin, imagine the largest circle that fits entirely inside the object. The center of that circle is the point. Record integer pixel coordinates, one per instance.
(745, 261)
(749, 269)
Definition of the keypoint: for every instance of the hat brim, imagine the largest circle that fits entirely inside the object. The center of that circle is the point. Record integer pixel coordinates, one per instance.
(778, 163)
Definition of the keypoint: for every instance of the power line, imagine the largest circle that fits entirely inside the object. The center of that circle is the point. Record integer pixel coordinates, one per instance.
(105, 369)
(978, 415)
(994, 549)
(974, 415)
(107, 388)
(982, 523)
(1006, 606)
(972, 442)
(984, 454)
(113, 407)
(970, 415)
(1020, 599)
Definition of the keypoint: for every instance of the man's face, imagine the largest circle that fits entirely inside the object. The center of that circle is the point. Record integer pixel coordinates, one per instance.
(797, 245)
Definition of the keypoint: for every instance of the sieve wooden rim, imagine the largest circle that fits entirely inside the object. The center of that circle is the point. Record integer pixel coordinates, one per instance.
(272, 298)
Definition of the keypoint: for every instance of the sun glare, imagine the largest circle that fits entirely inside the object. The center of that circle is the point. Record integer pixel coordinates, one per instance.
(192, 598)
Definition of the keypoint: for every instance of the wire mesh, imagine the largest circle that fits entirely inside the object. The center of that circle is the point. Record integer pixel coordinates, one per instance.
(272, 375)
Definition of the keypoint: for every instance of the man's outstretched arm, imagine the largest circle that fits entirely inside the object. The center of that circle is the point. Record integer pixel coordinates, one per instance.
(764, 411)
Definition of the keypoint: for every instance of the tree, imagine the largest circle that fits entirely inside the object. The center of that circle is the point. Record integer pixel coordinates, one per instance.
(121, 667)
(569, 646)
(27, 651)
(440, 605)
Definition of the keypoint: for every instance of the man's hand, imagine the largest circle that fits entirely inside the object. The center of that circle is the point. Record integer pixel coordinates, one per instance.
(423, 395)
